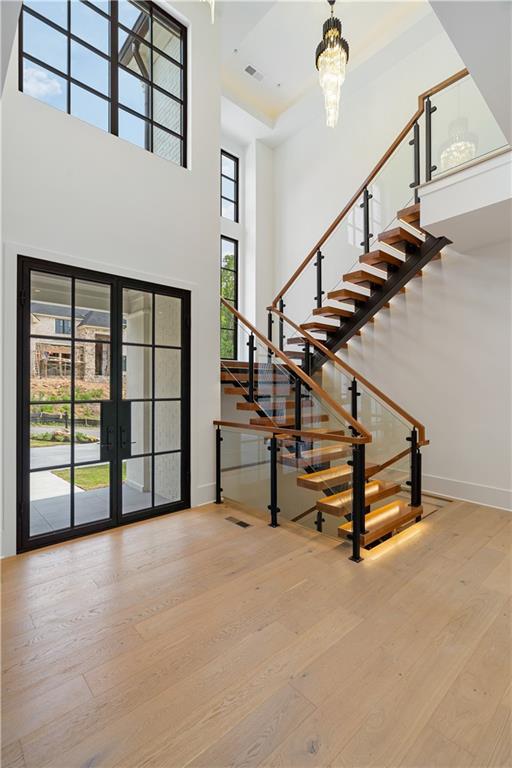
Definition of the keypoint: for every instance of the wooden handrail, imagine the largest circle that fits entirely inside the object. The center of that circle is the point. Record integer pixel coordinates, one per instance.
(283, 433)
(312, 385)
(354, 374)
(387, 154)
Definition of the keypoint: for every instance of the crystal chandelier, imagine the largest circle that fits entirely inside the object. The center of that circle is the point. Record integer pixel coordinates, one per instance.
(331, 60)
(461, 146)
(212, 8)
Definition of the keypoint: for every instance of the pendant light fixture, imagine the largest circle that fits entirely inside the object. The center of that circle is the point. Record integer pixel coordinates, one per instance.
(461, 146)
(331, 60)
(212, 8)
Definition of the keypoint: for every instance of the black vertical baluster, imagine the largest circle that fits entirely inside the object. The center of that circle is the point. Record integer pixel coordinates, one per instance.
(273, 508)
(367, 235)
(354, 394)
(415, 470)
(298, 414)
(306, 365)
(415, 142)
(318, 265)
(357, 499)
(281, 325)
(429, 111)
(218, 489)
(251, 346)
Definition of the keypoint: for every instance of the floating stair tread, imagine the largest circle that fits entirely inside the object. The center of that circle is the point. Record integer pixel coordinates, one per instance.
(289, 421)
(398, 235)
(319, 455)
(243, 378)
(383, 520)
(410, 214)
(361, 276)
(341, 503)
(294, 353)
(318, 326)
(326, 478)
(328, 311)
(285, 405)
(300, 340)
(345, 294)
(376, 258)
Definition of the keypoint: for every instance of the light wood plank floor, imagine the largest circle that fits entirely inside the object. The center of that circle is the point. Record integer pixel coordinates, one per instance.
(189, 641)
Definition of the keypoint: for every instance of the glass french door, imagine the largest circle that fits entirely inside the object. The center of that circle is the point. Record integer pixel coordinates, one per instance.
(103, 427)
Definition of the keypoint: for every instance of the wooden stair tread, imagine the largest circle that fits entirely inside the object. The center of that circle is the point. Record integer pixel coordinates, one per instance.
(398, 235)
(294, 353)
(300, 340)
(345, 294)
(409, 214)
(341, 503)
(244, 378)
(328, 311)
(376, 258)
(289, 420)
(383, 520)
(359, 276)
(326, 478)
(319, 455)
(319, 326)
(286, 405)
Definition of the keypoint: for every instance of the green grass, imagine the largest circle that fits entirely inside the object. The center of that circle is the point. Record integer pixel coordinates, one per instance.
(89, 478)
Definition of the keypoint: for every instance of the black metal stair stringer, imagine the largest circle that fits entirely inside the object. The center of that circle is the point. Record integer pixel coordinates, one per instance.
(416, 261)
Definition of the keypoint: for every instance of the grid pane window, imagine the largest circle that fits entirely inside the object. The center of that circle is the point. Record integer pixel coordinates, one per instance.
(229, 292)
(120, 66)
(228, 186)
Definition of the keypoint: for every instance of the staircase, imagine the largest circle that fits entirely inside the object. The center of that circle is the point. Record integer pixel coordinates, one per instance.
(344, 457)
(399, 256)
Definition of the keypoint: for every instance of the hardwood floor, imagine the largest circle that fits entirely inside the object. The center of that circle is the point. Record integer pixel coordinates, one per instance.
(190, 641)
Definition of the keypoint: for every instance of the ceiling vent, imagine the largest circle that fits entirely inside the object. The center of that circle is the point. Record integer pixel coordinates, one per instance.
(253, 72)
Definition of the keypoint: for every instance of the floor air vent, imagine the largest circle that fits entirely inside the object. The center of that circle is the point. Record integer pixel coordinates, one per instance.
(241, 523)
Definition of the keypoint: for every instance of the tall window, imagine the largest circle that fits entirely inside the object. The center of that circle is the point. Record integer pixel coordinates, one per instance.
(118, 65)
(228, 186)
(63, 326)
(228, 291)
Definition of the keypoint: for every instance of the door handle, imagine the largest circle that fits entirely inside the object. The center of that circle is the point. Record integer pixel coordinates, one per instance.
(108, 444)
(123, 437)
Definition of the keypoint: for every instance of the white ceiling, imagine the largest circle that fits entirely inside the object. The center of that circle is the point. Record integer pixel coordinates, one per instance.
(279, 39)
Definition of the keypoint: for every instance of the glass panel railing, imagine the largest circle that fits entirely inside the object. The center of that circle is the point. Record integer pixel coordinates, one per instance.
(463, 127)
(245, 468)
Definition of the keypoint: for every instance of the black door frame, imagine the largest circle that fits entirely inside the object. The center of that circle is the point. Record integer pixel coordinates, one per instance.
(117, 282)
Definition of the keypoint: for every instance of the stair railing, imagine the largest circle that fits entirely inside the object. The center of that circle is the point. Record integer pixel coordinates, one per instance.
(424, 108)
(415, 434)
(295, 438)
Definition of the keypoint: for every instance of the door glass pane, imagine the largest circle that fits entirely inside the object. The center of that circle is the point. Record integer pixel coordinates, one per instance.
(50, 369)
(92, 310)
(92, 493)
(87, 432)
(136, 484)
(92, 371)
(141, 428)
(137, 316)
(167, 372)
(167, 425)
(167, 478)
(50, 304)
(50, 502)
(167, 320)
(137, 376)
(50, 436)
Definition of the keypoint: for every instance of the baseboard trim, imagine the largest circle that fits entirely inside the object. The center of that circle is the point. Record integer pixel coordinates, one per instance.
(445, 487)
(203, 494)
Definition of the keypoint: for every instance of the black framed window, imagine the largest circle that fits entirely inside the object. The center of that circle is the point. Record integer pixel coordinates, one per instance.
(119, 65)
(229, 173)
(228, 291)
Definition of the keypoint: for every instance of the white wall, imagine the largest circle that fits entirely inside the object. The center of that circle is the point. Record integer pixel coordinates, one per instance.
(443, 350)
(74, 194)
